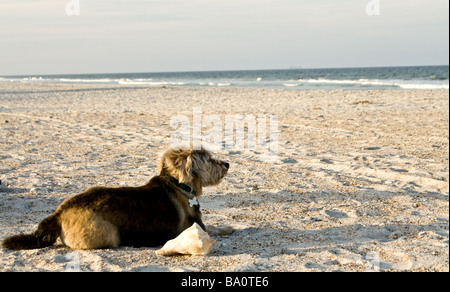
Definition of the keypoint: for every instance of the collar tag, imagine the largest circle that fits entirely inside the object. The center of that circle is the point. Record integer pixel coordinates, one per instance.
(193, 202)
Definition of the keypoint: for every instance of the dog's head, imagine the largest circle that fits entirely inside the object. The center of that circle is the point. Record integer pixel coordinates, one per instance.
(188, 165)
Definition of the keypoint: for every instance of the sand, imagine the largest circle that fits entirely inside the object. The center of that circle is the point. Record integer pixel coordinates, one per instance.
(360, 181)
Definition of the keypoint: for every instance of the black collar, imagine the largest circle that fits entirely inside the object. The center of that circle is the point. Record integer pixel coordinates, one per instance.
(184, 187)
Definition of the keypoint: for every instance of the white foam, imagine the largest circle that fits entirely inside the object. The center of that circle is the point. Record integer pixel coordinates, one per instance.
(318, 82)
(69, 80)
(419, 84)
(148, 82)
(424, 86)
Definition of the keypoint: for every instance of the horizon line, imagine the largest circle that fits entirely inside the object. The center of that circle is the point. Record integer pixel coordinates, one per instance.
(293, 68)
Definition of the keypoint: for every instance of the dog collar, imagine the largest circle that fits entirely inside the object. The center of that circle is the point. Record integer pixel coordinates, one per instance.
(184, 187)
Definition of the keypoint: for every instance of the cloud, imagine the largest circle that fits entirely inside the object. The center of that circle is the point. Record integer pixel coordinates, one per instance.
(224, 34)
(26, 8)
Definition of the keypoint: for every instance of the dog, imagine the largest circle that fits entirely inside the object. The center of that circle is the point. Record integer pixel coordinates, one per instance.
(146, 216)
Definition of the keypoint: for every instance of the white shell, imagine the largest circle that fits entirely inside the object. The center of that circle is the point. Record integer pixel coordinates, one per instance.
(193, 241)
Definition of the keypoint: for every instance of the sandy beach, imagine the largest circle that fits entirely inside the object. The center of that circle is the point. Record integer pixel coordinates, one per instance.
(360, 181)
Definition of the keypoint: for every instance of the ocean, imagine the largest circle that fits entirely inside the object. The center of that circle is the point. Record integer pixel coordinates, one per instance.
(397, 78)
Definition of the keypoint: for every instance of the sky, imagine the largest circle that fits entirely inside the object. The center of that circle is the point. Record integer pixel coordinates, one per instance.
(39, 37)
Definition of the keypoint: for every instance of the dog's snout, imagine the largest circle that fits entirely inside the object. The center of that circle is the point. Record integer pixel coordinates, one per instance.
(227, 165)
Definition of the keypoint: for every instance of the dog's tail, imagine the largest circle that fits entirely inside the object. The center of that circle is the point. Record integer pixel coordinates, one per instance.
(48, 231)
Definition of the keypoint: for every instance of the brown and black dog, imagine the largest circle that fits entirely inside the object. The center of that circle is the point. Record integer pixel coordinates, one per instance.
(149, 215)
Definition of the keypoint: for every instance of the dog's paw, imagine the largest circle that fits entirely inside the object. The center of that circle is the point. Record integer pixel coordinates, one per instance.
(219, 230)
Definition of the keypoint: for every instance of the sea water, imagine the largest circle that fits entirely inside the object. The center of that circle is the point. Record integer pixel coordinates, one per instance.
(420, 77)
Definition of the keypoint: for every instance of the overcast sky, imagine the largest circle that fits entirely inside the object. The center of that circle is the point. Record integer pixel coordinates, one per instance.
(109, 36)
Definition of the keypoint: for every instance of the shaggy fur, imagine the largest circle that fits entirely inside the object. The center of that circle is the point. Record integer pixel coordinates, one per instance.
(149, 215)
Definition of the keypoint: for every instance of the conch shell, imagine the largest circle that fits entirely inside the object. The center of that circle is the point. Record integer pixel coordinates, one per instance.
(193, 241)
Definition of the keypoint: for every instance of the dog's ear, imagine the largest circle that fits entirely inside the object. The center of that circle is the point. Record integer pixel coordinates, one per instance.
(187, 174)
(179, 164)
(164, 166)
